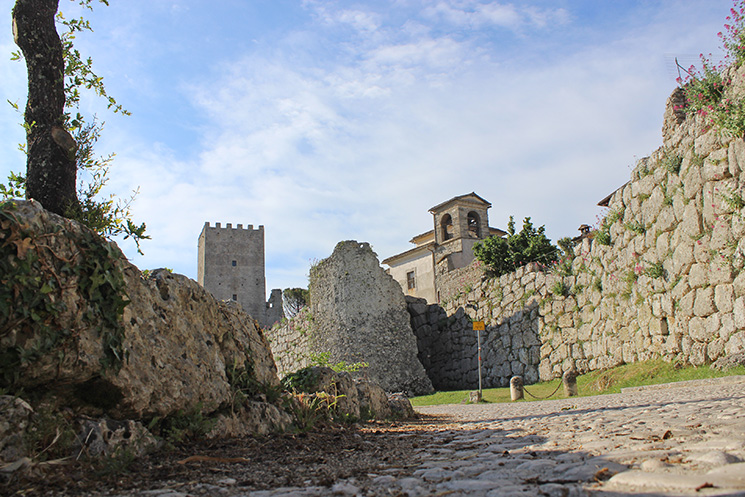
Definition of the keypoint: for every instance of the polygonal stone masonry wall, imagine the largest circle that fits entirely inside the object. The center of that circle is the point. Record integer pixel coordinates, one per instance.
(669, 285)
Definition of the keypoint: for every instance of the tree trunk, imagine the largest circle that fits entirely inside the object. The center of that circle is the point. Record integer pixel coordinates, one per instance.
(50, 167)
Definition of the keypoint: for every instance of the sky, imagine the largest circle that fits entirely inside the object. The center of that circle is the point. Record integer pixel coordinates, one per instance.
(326, 120)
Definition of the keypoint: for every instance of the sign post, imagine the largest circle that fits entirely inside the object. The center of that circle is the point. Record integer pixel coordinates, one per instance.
(478, 327)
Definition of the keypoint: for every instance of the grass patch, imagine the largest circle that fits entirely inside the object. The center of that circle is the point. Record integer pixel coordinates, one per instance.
(594, 383)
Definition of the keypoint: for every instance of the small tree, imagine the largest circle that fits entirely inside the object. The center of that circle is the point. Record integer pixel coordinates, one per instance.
(504, 255)
(60, 143)
(294, 299)
(566, 245)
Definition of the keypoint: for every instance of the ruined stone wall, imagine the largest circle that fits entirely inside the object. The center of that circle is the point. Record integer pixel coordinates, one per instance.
(289, 341)
(664, 280)
(358, 314)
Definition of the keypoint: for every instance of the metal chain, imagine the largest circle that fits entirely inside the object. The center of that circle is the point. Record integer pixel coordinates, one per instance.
(550, 395)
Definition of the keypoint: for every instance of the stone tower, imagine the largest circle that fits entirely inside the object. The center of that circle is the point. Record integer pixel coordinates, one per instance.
(231, 266)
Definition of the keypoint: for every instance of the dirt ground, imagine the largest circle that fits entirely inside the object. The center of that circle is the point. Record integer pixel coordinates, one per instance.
(320, 457)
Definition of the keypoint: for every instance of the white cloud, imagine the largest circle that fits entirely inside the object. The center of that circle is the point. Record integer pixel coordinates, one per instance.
(476, 15)
(352, 126)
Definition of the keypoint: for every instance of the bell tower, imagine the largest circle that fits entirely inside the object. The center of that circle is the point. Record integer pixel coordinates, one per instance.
(462, 217)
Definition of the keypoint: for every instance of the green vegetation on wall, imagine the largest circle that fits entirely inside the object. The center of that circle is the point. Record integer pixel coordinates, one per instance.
(35, 273)
(504, 255)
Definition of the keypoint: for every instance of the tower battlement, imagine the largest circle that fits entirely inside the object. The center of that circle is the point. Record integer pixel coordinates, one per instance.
(229, 226)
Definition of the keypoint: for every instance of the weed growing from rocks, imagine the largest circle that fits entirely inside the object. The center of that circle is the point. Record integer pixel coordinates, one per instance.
(49, 436)
(185, 424)
(323, 359)
(310, 409)
(561, 289)
(733, 199)
(671, 161)
(655, 270)
(636, 227)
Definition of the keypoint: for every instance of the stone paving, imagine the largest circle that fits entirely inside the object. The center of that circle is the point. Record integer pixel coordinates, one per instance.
(674, 440)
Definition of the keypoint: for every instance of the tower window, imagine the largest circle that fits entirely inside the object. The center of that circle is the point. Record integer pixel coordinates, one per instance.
(235, 297)
(474, 228)
(234, 263)
(410, 280)
(447, 227)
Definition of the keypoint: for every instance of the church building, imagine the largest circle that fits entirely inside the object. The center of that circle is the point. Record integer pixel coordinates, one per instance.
(458, 224)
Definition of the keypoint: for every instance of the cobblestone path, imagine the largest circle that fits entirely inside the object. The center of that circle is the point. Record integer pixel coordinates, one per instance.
(681, 439)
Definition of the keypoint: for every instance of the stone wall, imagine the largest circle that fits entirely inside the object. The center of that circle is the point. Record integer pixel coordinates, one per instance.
(662, 277)
(290, 344)
(358, 314)
(510, 344)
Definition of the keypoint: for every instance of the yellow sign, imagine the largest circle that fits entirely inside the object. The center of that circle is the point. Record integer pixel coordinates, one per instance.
(478, 326)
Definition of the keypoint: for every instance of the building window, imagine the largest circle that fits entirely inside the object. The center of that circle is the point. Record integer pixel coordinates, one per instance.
(234, 264)
(473, 225)
(235, 297)
(410, 280)
(447, 227)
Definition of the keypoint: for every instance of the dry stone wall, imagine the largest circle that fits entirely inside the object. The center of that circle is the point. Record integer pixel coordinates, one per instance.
(662, 278)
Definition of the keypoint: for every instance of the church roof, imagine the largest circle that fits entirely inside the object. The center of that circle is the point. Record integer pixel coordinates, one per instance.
(467, 196)
(423, 238)
(419, 249)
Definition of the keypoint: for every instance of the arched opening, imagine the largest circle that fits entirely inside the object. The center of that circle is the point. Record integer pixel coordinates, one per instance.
(447, 227)
(474, 225)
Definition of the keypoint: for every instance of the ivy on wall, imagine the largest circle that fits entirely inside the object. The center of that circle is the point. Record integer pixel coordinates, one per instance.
(36, 270)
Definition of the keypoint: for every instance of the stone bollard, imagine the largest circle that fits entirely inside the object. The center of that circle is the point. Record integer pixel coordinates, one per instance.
(569, 378)
(474, 397)
(516, 388)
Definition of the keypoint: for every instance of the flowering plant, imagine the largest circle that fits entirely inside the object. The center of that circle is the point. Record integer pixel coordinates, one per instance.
(705, 88)
(733, 36)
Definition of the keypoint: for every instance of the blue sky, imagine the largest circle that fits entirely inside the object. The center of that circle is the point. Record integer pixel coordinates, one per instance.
(330, 120)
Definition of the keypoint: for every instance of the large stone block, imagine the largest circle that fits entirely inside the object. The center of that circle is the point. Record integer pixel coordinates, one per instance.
(704, 304)
(686, 303)
(724, 297)
(683, 257)
(738, 311)
(698, 275)
(739, 284)
(720, 273)
(693, 180)
(736, 343)
(716, 166)
(692, 224)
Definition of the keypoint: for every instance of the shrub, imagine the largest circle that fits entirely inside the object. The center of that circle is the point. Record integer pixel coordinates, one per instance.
(504, 255)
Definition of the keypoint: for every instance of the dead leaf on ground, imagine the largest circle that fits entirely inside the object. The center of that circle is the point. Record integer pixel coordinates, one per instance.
(604, 474)
(705, 485)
